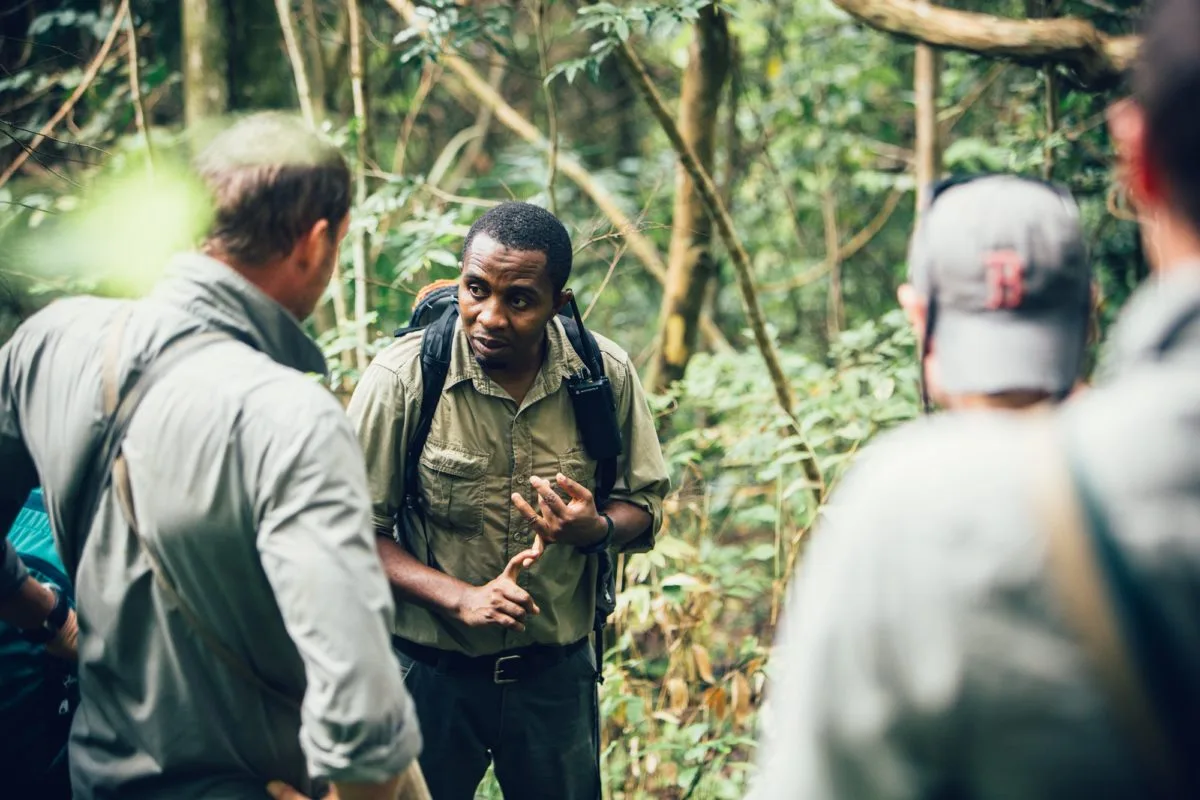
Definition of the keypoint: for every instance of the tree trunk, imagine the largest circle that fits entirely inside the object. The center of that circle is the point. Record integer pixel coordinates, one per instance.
(926, 70)
(690, 263)
(205, 60)
(362, 289)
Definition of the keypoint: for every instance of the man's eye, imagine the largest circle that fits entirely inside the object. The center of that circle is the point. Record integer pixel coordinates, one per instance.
(476, 290)
(520, 303)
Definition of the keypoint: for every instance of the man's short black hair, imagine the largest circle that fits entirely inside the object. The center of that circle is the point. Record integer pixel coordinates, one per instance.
(524, 226)
(1166, 86)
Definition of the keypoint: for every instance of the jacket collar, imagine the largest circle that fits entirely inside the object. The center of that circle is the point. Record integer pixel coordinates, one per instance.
(1162, 319)
(213, 292)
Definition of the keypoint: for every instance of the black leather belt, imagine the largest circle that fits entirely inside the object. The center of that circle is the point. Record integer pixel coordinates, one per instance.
(508, 666)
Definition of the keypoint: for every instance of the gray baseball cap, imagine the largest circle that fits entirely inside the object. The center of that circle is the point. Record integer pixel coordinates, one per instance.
(1002, 262)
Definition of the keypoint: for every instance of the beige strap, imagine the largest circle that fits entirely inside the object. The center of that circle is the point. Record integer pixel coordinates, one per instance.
(1077, 578)
(124, 491)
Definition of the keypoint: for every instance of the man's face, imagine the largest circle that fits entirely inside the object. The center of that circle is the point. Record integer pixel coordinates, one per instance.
(505, 300)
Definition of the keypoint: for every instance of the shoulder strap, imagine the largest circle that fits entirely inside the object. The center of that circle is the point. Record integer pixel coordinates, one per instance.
(436, 349)
(588, 350)
(111, 466)
(1093, 583)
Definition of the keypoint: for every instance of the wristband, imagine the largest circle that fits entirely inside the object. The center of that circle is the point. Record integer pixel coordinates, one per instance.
(601, 545)
(54, 620)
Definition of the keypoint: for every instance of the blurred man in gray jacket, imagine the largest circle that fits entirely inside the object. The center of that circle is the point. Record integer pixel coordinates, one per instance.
(935, 644)
(233, 613)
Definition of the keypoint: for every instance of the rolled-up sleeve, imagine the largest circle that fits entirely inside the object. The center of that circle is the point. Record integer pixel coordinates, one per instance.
(377, 412)
(642, 478)
(358, 722)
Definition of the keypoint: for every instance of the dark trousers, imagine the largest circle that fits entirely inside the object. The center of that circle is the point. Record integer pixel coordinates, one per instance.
(540, 733)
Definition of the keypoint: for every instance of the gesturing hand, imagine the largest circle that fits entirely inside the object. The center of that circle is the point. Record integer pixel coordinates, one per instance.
(500, 601)
(575, 523)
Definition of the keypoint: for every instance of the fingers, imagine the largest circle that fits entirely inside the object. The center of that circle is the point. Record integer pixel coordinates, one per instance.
(515, 594)
(281, 791)
(534, 518)
(574, 489)
(539, 546)
(548, 499)
(518, 562)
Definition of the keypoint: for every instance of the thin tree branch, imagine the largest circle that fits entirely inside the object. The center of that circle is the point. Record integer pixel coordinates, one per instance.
(1096, 57)
(361, 139)
(483, 122)
(299, 73)
(539, 20)
(89, 75)
(737, 252)
(612, 267)
(429, 77)
(834, 310)
(135, 94)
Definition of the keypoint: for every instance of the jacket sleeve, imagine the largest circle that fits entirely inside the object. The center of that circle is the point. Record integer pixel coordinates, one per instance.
(318, 551)
(642, 478)
(378, 412)
(16, 465)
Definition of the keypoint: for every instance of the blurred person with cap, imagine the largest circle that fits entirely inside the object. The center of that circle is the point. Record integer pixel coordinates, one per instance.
(999, 293)
(1004, 605)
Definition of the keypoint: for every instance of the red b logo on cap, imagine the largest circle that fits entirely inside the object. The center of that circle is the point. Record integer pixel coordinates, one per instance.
(1005, 271)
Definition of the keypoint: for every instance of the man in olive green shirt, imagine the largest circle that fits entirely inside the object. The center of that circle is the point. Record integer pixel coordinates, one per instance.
(497, 558)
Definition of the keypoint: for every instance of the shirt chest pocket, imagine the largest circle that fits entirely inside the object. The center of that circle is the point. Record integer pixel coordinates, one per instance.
(577, 466)
(453, 485)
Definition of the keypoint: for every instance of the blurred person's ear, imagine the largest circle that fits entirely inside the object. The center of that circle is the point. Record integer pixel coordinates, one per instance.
(916, 307)
(1136, 169)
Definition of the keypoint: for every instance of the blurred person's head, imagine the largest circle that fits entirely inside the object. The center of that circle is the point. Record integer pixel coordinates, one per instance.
(999, 293)
(280, 197)
(1157, 134)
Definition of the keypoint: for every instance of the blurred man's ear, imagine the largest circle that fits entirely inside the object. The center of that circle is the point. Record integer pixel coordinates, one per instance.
(915, 307)
(1135, 167)
(563, 300)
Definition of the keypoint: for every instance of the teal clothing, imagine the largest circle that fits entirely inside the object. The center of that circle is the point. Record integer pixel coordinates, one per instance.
(38, 692)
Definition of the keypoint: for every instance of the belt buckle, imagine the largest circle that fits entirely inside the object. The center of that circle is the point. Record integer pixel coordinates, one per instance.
(498, 670)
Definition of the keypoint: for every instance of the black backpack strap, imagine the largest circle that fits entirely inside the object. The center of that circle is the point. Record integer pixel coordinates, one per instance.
(588, 350)
(436, 349)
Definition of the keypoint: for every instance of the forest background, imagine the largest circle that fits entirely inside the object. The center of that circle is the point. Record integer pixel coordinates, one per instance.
(740, 180)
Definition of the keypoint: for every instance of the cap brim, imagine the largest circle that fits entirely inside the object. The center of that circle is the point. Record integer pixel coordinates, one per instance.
(992, 352)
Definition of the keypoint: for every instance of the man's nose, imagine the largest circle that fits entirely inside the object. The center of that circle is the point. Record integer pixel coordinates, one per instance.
(491, 315)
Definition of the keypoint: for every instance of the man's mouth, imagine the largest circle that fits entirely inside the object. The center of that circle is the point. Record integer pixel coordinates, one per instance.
(486, 345)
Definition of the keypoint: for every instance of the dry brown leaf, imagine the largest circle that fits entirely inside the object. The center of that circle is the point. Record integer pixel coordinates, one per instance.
(716, 700)
(677, 695)
(703, 663)
(739, 697)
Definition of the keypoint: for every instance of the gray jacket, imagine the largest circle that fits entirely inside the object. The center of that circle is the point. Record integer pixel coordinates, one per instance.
(924, 651)
(249, 481)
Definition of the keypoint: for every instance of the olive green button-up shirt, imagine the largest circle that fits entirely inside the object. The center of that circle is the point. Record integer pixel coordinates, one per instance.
(481, 448)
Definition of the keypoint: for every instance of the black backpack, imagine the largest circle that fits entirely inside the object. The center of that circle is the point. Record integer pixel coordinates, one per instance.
(591, 395)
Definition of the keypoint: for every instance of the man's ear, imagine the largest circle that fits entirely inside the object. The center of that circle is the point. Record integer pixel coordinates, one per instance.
(314, 245)
(564, 299)
(916, 308)
(1135, 163)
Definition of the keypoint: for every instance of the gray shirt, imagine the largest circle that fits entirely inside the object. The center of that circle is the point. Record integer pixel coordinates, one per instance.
(924, 650)
(249, 481)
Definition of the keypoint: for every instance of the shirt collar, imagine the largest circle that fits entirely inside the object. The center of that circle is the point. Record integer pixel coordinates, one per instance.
(212, 291)
(1161, 318)
(561, 363)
